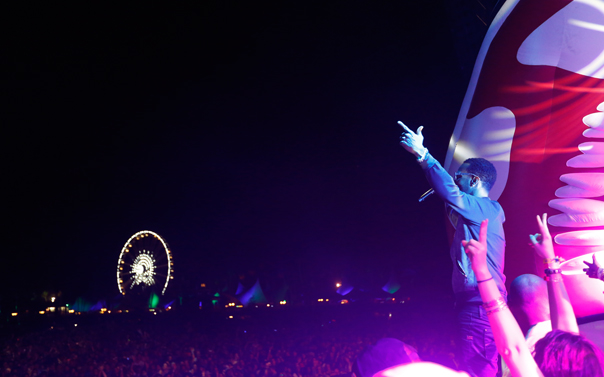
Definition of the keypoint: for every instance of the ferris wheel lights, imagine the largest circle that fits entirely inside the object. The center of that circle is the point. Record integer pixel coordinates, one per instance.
(143, 268)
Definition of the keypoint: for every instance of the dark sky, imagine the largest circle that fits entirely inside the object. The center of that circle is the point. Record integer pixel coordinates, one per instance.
(259, 139)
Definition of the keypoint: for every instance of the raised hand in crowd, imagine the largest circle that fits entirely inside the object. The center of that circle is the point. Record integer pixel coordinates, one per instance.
(561, 310)
(594, 270)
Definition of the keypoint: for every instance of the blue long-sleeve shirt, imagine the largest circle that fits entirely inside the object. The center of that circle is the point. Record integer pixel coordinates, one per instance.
(466, 212)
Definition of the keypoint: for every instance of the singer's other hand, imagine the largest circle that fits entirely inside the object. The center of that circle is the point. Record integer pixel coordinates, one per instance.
(412, 142)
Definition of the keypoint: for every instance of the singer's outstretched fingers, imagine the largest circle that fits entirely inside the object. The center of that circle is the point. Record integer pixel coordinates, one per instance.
(407, 129)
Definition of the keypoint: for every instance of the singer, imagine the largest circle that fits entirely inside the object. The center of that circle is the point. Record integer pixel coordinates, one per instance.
(467, 201)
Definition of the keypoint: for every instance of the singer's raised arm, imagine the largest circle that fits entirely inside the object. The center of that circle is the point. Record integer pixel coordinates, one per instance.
(468, 193)
(467, 201)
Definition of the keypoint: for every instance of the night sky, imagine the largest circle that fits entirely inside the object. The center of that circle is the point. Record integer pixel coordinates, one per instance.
(259, 139)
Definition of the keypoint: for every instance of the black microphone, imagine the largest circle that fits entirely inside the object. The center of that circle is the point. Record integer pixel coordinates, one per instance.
(425, 195)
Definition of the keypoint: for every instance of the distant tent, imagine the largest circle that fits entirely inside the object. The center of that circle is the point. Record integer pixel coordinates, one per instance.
(153, 300)
(392, 286)
(254, 295)
(81, 305)
(345, 289)
(98, 306)
(280, 294)
(240, 289)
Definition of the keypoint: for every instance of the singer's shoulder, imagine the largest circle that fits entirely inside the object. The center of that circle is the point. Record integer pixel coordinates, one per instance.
(487, 202)
(497, 207)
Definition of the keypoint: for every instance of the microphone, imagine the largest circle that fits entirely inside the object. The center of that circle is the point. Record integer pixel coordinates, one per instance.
(425, 195)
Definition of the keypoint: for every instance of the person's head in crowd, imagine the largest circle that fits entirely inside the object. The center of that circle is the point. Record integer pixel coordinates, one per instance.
(420, 369)
(385, 353)
(561, 353)
(528, 300)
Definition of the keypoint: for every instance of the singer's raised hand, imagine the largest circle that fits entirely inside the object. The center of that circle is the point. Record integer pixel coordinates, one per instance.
(412, 142)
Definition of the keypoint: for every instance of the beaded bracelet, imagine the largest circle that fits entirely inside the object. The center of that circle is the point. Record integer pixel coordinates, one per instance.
(552, 271)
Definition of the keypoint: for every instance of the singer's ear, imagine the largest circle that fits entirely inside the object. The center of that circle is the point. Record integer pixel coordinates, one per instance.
(474, 181)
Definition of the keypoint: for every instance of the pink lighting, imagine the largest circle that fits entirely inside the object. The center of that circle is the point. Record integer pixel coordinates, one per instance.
(553, 94)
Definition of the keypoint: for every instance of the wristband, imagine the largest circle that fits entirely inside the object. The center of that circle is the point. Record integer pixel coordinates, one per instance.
(494, 303)
(421, 158)
(498, 308)
(552, 271)
(554, 259)
(553, 278)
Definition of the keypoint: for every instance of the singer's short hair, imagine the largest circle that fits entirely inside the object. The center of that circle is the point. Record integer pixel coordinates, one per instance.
(483, 169)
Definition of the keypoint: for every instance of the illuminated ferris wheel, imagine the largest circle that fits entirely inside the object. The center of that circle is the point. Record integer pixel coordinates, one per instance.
(145, 261)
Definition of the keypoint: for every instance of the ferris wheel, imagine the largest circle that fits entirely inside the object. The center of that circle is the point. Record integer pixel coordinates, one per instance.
(145, 261)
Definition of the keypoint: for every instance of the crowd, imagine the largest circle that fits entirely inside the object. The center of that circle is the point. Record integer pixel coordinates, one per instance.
(173, 344)
(292, 342)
